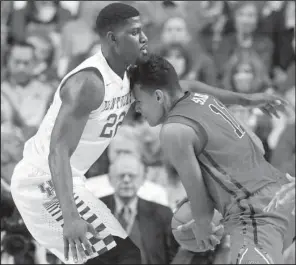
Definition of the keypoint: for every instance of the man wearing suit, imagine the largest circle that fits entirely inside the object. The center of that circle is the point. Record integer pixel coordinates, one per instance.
(147, 223)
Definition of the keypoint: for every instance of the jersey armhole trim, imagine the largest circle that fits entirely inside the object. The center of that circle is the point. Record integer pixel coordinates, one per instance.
(98, 73)
(195, 125)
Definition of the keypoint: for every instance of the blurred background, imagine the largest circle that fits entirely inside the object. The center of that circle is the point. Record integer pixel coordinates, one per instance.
(243, 46)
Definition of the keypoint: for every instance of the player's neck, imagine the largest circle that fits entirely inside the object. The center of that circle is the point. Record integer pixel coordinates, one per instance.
(171, 103)
(115, 62)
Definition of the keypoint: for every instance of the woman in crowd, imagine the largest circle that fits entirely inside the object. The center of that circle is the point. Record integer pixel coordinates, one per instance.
(246, 20)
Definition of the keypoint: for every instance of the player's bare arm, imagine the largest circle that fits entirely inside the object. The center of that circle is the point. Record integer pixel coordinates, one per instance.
(80, 95)
(181, 145)
(268, 103)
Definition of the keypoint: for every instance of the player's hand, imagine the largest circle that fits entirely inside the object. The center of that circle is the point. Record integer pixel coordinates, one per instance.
(222, 253)
(207, 237)
(269, 103)
(285, 196)
(74, 232)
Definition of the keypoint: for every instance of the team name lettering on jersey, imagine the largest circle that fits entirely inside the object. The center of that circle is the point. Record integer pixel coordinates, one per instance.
(118, 102)
(199, 98)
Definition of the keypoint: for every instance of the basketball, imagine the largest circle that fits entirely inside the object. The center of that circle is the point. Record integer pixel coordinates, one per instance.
(182, 216)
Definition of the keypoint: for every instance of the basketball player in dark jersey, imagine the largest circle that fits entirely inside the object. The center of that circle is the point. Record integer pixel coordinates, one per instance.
(220, 164)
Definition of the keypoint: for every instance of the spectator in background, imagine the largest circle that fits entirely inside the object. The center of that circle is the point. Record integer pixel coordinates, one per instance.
(246, 73)
(180, 58)
(77, 38)
(47, 16)
(175, 31)
(153, 236)
(246, 36)
(159, 172)
(45, 69)
(279, 24)
(219, 24)
(126, 141)
(23, 91)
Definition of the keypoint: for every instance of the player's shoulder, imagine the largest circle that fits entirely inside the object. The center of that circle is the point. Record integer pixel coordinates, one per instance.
(175, 132)
(86, 85)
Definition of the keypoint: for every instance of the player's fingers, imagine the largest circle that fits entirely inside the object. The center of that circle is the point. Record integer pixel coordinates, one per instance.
(205, 245)
(222, 253)
(93, 231)
(272, 110)
(66, 248)
(73, 250)
(265, 111)
(87, 246)
(186, 226)
(280, 101)
(80, 249)
(218, 230)
(214, 240)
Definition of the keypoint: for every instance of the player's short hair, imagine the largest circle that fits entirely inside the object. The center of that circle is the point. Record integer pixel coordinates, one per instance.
(155, 73)
(113, 16)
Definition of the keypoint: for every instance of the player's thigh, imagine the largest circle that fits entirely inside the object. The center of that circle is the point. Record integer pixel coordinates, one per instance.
(244, 251)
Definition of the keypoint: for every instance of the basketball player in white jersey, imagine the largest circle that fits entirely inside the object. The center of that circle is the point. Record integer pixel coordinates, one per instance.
(88, 107)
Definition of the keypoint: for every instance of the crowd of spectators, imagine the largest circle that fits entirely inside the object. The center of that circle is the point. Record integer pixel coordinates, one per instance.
(243, 46)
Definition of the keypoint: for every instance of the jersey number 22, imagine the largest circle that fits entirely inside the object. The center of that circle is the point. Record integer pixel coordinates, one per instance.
(110, 128)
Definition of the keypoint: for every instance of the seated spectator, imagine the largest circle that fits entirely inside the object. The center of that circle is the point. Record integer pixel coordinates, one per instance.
(47, 16)
(44, 58)
(12, 143)
(157, 171)
(218, 25)
(279, 24)
(246, 19)
(126, 141)
(175, 31)
(246, 73)
(77, 37)
(24, 92)
(180, 58)
(153, 236)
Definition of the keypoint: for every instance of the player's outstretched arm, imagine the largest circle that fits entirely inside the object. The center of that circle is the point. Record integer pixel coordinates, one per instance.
(180, 146)
(81, 94)
(267, 102)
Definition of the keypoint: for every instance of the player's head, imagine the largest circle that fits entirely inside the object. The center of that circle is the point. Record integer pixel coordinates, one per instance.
(156, 86)
(120, 28)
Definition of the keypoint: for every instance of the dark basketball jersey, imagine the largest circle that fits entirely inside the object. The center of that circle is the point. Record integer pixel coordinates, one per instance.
(233, 166)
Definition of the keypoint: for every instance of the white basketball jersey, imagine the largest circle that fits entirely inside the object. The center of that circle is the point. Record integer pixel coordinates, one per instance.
(100, 128)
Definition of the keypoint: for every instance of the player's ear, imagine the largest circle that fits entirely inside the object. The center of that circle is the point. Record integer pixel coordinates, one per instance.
(159, 96)
(111, 37)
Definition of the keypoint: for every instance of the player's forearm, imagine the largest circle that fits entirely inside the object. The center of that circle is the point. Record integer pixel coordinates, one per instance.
(201, 205)
(59, 164)
(225, 96)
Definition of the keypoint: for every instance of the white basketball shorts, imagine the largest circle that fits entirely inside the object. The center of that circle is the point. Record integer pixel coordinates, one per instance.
(33, 193)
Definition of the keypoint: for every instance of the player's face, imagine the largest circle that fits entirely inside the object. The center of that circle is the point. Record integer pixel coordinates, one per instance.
(151, 106)
(131, 41)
